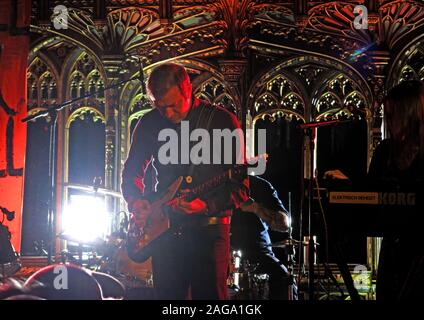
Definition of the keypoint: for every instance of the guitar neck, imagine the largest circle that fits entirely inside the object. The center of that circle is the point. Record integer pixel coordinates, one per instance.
(212, 183)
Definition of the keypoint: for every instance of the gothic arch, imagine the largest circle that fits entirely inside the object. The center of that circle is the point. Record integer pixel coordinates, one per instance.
(290, 91)
(45, 59)
(308, 89)
(401, 63)
(81, 64)
(79, 113)
(42, 84)
(339, 95)
(263, 85)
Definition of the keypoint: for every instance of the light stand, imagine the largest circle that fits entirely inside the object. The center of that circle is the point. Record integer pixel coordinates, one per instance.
(51, 217)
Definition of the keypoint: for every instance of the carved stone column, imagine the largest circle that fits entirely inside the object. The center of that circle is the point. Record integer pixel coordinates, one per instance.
(377, 80)
(233, 70)
(165, 11)
(301, 15)
(112, 65)
(379, 61)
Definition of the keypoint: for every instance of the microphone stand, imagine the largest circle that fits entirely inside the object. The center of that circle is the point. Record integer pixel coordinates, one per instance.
(290, 257)
(52, 113)
(310, 132)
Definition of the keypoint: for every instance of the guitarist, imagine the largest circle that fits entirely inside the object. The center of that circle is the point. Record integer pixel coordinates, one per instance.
(193, 262)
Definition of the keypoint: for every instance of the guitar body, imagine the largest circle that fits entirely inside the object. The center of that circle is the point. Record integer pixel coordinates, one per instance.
(141, 240)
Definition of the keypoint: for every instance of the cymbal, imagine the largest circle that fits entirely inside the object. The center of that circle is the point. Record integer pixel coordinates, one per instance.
(285, 243)
(91, 189)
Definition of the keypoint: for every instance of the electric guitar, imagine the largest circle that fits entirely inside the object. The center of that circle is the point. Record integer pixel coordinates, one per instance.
(141, 241)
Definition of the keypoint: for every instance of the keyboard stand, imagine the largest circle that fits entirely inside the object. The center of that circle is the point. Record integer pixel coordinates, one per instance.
(344, 271)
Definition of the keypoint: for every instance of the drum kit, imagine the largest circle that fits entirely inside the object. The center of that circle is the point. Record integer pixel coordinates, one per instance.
(245, 280)
(108, 255)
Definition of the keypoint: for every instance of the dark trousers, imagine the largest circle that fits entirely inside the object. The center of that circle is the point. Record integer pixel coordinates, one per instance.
(193, 265)
(400, 274)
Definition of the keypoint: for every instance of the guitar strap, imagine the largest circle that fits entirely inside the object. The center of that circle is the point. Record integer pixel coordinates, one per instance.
(204, 121)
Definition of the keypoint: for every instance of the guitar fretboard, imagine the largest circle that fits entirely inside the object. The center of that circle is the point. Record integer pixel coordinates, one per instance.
(214, 182)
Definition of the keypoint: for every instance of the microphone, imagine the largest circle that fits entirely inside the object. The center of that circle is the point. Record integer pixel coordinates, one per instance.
(37, 29)
(10, 215)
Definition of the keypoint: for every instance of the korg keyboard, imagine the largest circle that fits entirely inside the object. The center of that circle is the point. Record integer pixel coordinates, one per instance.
(372, 213)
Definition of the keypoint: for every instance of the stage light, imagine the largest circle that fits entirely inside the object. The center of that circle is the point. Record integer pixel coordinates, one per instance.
(85, 219)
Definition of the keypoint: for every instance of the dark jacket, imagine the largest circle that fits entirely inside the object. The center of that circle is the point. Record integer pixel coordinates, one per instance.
(146, 145)
(248, 231)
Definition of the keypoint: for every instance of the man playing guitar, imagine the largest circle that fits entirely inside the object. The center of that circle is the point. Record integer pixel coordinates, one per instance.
(193, 260)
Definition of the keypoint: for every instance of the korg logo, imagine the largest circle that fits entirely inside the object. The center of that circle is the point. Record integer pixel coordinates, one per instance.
(400, 199)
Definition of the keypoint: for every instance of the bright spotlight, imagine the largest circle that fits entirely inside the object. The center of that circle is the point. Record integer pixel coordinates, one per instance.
(85, 219)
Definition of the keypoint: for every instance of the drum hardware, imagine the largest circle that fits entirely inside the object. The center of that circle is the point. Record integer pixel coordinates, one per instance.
(290, 251)
(110, 255)
(244, 282)
(289, 245)
(9, 262)
(256, 284)
(93, 189)
(236, 263)
(93, 254)
(66, 256)
(306, 247)
(285, 244)
(87, 243)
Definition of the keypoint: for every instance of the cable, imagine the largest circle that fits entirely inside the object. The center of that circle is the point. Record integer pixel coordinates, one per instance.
(327, 268)
(301, 209)
(323, 217)
(325, 224)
